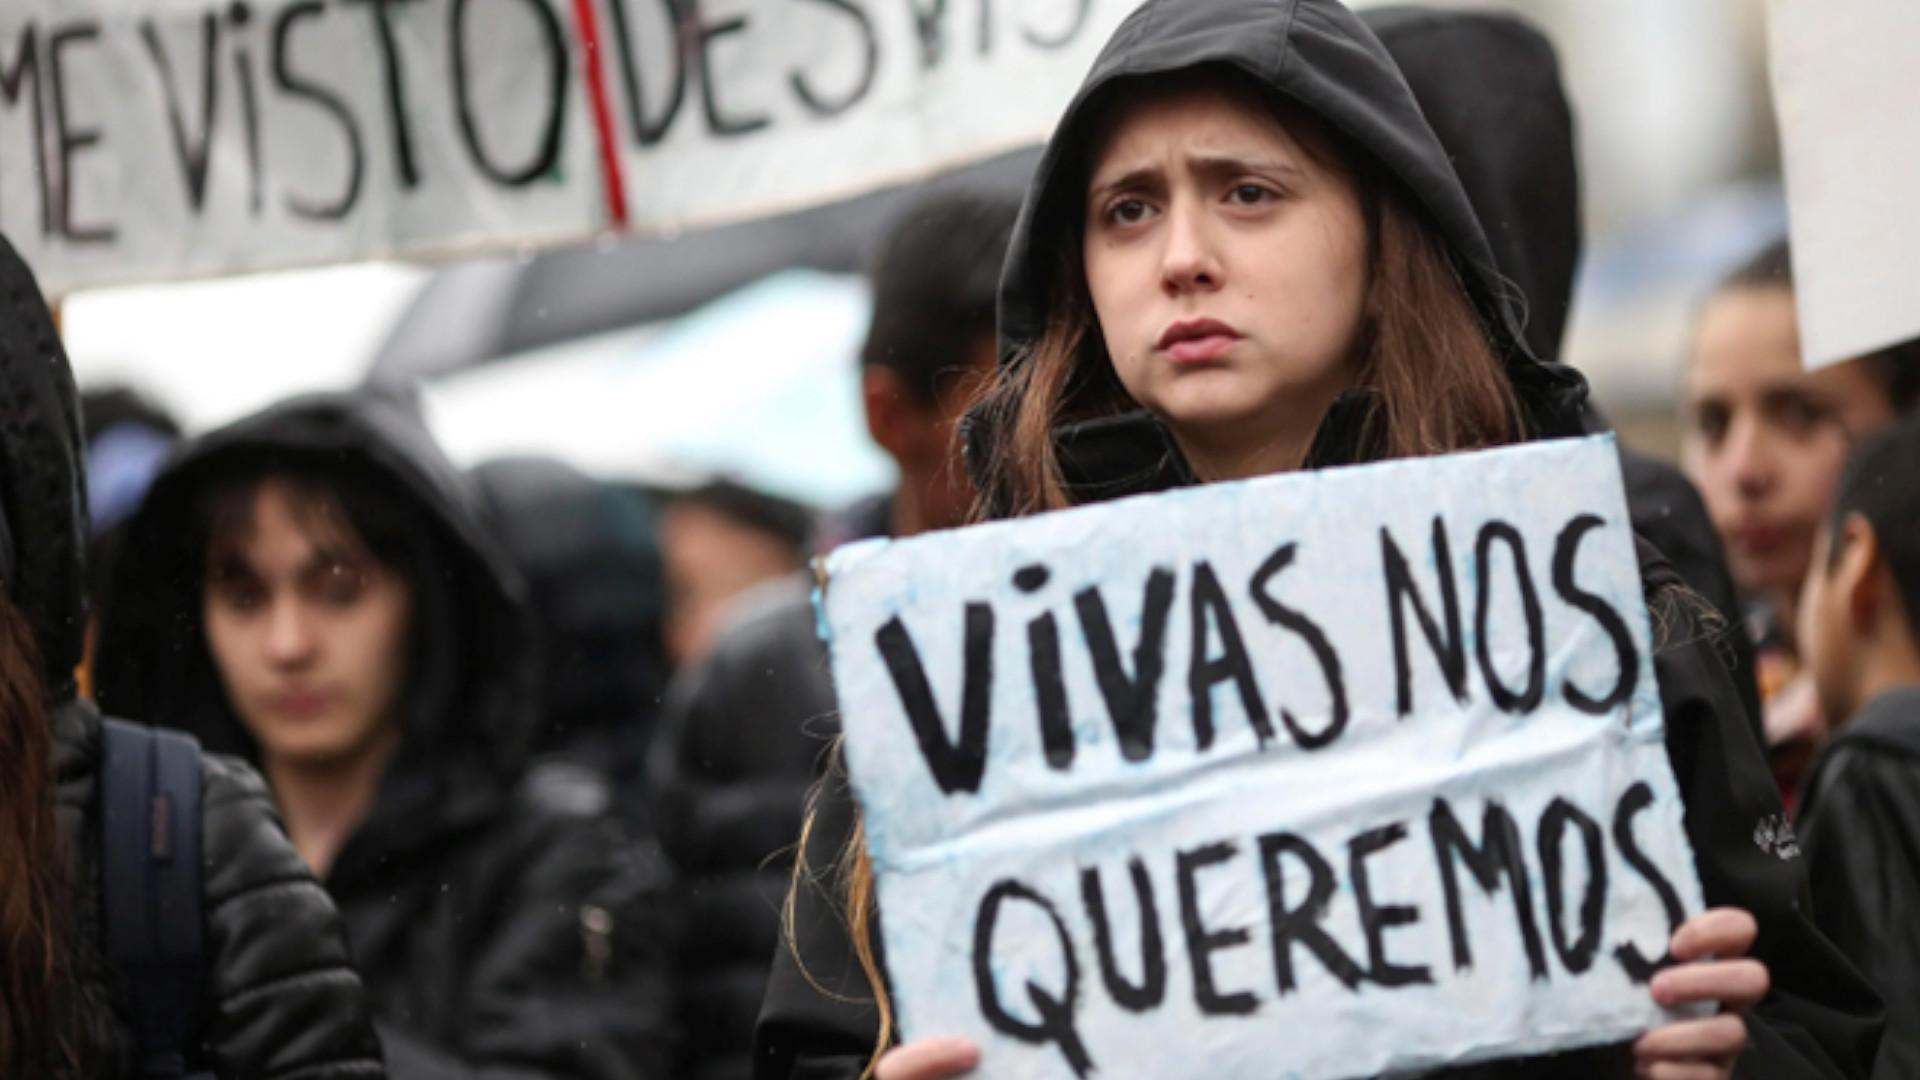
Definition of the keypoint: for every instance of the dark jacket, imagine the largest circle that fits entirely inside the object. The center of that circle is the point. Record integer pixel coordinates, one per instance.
(1820, 1019)
(501, 924)
(1860, 824)
(279, 999)
(744, 739)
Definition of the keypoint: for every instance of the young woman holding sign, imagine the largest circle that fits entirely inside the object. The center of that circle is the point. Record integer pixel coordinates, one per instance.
(1245, 252)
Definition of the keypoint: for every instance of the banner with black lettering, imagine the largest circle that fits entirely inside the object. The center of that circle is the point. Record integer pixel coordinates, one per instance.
(163, 139)
(1318, 775)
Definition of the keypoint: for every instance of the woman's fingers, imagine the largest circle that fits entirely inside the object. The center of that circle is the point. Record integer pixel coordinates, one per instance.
(1731, 984)
(1723, 933)
(1682, 1070)
(929, 1059)
(1714, 1038)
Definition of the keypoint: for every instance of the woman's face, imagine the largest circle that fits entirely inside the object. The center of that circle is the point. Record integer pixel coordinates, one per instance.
(1765, 439)
(308, 631)
(1228, 270)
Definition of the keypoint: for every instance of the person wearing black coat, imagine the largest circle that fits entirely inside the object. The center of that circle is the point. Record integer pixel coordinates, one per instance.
(1816, 1018)
(503, 924)
(278, 997)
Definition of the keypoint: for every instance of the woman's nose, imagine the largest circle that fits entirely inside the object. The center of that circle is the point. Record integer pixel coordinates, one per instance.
(1189, 262)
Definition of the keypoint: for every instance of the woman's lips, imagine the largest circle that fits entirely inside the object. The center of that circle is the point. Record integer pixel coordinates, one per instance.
(303, 703)
(1201, 350)
(1757, 539)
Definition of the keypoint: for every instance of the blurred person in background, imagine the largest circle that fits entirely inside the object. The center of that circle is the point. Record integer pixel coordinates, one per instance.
(1764, 440)
(313, 590)
(1859, 633)
(742, 738)
(590, 554)
(276, 996)
(720, 540)
(127, 439)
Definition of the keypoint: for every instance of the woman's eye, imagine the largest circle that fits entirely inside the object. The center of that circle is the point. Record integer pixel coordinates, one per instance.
(239, 598)
(1250, 194)
(1801, 416)
(1128, 211)
(1711, 424)
(341, 587)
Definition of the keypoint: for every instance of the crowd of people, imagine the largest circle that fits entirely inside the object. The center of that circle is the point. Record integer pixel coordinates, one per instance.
(516, 772)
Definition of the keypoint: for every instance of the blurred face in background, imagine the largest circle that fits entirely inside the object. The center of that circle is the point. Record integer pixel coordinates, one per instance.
(711, 558)
(1765, 440)
(308, 631)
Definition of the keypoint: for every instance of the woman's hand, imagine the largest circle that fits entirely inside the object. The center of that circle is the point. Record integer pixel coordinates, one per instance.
(929, 1059)
(1712, 948)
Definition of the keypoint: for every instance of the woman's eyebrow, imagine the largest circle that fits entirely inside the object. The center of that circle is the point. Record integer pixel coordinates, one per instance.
(1227, 164)
(1132, 179)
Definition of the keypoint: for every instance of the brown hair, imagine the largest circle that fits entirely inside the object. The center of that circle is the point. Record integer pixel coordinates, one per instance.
(1437, 382)
(34, 957)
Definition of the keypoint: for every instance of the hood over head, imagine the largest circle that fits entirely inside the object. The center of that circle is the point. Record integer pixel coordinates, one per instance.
(43, 527)
(1489, 84)
(467, 695)
(1311, 54)
(590, 554)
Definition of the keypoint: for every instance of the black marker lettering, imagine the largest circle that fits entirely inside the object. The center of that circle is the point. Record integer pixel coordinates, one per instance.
(1202, 943)
(1209, 608)
(70, 140)
(193, 155)
(1050, 690)
(1448, 648)
(1302, 924)
(1565, 551)
(296, 86)
(1310, 632)
(1499, 852)
(1063, 38)
(396, 82)
(1056, 1012)
(547, 149)
(26, 70)
(1529, 697)
(955, 767)
(869, 66)
(1578, 954)
(650, 130)
(1376, 919)
(1152, 987)
(1631, 959)
(1130, 700)
(717, 122)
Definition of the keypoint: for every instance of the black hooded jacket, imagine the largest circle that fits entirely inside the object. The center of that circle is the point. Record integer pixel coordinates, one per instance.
(279, 998)
(501, 930)
(1860, 823)
(1820, 1020)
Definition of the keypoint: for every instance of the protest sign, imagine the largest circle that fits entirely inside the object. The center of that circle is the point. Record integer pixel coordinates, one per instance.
(161, 139)
(1318, 775)
(1843, 75)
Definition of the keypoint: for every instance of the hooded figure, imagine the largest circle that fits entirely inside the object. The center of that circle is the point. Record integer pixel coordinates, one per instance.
(590, 554)
(279, 998)
(495, 920)
(1314, 56)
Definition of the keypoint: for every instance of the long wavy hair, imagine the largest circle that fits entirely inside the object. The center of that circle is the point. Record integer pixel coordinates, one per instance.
(35, 952)
(1433, 375)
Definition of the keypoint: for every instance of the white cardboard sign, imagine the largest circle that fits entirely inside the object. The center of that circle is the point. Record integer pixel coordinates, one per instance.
(1845, 96)
(162, 139)
(1314, 776)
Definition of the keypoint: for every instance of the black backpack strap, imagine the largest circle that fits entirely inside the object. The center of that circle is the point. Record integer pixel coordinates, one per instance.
(150, 884)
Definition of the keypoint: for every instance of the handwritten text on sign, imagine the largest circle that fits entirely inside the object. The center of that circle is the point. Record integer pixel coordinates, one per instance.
(144, 139)
(1317, 775)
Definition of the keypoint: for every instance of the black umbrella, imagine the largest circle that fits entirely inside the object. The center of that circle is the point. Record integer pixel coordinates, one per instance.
(482, 309)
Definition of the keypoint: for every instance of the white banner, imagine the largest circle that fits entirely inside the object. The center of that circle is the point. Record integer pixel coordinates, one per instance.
(1318, 776)
(160, 139)
(1844, 91)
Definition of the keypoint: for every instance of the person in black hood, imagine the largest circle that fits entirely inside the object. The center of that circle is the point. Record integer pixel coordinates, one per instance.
(278, 997)
(590, 554)
(1245, 251)
(313, 591)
